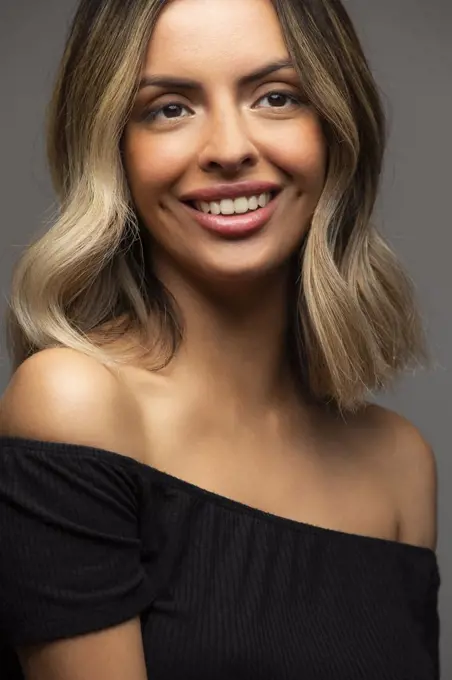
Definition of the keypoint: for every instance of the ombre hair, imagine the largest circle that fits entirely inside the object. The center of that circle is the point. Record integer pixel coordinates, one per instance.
(87, 284)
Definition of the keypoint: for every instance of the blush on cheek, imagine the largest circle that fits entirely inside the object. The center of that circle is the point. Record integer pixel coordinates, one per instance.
(143, 181)
(306, 167)
(301, 151)
(172, 150)
(307, 159)
(157, 168)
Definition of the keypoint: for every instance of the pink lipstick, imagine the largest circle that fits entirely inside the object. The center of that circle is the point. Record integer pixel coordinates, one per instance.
(237, 225)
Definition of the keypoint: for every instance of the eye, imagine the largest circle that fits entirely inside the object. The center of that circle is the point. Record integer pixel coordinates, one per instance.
(166, 112)
(278, 99)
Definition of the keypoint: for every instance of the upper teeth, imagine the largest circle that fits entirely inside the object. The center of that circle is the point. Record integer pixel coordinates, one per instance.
(229, 206)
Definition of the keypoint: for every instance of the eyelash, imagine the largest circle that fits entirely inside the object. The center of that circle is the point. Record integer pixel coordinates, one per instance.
(150, 115)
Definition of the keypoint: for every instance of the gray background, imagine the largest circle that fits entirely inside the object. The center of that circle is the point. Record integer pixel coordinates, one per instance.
(410, 48)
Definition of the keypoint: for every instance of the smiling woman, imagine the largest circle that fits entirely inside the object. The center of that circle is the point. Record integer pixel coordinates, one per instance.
(192, 483)
(240, 129)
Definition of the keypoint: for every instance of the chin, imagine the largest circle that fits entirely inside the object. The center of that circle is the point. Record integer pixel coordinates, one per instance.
(242, 268)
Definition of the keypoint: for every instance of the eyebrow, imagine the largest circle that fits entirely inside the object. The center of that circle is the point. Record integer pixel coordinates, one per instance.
(188, 84)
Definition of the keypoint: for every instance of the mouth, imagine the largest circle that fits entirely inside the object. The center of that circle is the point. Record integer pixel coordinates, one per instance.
(234, 206)
(235, 218)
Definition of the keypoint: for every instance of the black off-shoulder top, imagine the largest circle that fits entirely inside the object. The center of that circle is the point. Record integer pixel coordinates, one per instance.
(90, 538)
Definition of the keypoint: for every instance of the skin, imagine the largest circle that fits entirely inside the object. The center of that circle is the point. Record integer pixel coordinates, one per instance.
(222, 133)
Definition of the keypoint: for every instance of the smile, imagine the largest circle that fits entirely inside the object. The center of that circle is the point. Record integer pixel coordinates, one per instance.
(234, 206)
(235, 218)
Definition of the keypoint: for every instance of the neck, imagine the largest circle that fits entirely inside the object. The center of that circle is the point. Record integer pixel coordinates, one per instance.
(234, 349)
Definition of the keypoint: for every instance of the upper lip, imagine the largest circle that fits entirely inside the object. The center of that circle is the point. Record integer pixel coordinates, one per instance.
(220, 191)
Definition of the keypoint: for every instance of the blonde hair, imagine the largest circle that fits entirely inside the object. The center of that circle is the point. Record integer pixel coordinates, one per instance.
(87, 282)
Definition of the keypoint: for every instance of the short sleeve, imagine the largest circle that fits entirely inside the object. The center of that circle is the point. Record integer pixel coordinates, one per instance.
(431, 616)
(69, 541)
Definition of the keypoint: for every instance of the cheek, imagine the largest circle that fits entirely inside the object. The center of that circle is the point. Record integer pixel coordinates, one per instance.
(303, 156)
(152, 165)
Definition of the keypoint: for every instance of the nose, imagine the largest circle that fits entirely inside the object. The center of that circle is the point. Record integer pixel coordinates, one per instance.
(228, 147)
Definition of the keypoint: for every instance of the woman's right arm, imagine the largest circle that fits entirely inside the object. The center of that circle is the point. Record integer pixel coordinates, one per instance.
(113, 654)
(62, 396)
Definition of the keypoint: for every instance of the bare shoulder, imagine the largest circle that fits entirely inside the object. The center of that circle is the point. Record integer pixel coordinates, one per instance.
(63, 395)
(410, 465)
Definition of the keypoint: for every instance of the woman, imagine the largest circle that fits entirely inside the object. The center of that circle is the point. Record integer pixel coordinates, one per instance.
(192, 481)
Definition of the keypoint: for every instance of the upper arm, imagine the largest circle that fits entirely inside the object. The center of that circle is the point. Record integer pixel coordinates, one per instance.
(63, 396)
(112, 654)
(414, 478)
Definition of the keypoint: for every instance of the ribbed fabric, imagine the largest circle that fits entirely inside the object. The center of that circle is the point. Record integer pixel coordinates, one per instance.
(90, 538)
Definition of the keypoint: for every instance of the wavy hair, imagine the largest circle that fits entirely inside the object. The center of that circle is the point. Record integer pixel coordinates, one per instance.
(86, 283)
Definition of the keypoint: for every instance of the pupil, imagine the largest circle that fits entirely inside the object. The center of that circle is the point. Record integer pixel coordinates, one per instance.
(174, 109)
(277, 99)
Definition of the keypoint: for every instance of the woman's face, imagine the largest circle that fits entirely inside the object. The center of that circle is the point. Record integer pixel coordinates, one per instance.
(227, 133)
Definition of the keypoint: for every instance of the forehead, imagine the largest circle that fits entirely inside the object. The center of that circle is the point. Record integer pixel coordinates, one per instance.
(215, 36)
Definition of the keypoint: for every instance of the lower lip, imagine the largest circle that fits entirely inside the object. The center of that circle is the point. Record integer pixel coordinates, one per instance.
(235, 226)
